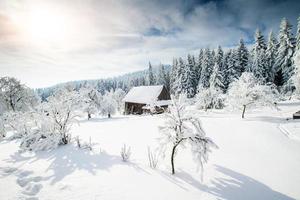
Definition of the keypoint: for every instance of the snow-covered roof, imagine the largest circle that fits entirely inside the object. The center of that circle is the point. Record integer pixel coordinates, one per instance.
(143, 94)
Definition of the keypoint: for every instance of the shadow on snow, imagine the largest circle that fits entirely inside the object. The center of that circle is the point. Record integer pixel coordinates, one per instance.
(237, 186)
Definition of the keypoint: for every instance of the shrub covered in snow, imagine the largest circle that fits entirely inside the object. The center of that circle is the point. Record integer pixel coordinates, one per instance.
(125, 153)
(90, 99)
(152, 158)
(19, 123)
(118, 96)
(209, 98)
(249, 91)
(50, 124)
(15, 96)
(180, 128)
(108, 104)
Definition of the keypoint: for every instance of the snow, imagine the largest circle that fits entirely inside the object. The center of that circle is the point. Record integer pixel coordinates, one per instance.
(255, 160)
(143, 94)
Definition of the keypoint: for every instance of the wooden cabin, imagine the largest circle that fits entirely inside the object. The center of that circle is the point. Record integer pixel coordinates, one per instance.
(145, 99)
(296, 115)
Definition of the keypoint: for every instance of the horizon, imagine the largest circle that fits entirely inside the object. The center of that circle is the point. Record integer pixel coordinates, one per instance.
(44, 43)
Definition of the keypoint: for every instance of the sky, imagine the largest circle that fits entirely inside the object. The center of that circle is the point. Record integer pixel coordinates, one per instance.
(44, 42)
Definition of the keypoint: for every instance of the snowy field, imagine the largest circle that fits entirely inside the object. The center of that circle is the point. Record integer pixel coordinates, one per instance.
(258, 158)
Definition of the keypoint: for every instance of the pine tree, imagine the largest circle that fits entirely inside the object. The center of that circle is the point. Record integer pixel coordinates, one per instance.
(242, 57)
(206, 68)
(199, 65)
(219, 65)
(232, 65)
(225, 66)
(259, 40)
(151, 78)
(189, 78)
(216, 78)
(271, 53)
(163, 77)
(178, 86)
(258, 66)
(298, 35)
(284, 64)
(174, 76)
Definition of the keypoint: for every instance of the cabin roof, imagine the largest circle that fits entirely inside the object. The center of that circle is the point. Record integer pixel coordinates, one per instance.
(144, 94)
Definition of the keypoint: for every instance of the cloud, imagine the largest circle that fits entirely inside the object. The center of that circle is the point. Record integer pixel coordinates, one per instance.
(106, 38)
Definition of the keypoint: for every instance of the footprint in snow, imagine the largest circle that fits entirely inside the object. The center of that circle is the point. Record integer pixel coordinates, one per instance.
(22, 182)
(8, 170)
(24, 173)
(32, 189)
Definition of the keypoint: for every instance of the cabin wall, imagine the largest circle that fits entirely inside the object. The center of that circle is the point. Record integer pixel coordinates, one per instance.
(133, 108)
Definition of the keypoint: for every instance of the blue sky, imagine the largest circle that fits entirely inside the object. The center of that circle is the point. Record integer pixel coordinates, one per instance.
(43, 42)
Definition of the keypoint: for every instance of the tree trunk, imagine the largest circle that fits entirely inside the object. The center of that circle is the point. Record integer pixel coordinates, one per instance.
(172, 159)
(12, 105)
(244, 110)
(89, 116)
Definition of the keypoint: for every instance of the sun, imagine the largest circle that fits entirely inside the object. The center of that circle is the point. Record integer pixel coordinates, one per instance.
(45, 25)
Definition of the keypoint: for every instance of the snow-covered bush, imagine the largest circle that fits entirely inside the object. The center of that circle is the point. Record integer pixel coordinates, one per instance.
(19, 123)
(108, 104)
(52, 122)
(182, 127)
(41, 138)
(15, 96)
(84, 145)
(152, 158)
(118, 96)
(209, 98)
(125, 153)
(90, 99)
(62, 110)
(248, 91)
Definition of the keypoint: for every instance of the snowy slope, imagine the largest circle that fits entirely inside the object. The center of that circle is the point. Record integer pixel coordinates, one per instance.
(258, 158)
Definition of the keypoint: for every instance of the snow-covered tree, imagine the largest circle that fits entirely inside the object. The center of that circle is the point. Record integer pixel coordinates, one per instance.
(151, 78)
(177, 85)
(118, 96)
(173, 76)
(90, 98)
(19, 123)
(296, 76)
(199, 66)
(2, 128)
(284, 64)
(206, 68)
(232, 66)
(271, 54)
(219, 70)
(16, 97)
(189, 77)
(242, 55)
(108, 104)
(211, 97)
(298, 34)
(180, 128)
(249, 91)
(62, 110)
(225, 70)
(163, 77)
(259, 62)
